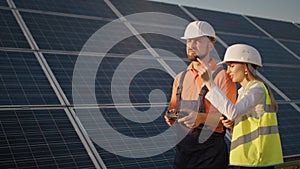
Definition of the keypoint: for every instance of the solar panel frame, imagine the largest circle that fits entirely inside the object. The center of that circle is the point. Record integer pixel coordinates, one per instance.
(95, 8)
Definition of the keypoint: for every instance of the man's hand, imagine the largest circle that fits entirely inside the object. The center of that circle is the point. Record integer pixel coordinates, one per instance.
(193, 119)
(171, 116)
(169, 121)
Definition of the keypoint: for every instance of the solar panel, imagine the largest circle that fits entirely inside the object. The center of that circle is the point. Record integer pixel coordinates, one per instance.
(40, 139)
(116, 152)
(288, 120)
(271, 52)
(117, 76)
(23, 81)
(55, 32)
(284, 78)
(292, 45)
(220, 49)
(3, 3)
(166, 43)
(141, 75)
(275, 28)
(226, 22)
(10, 32)
(135, 6)
(88, 8)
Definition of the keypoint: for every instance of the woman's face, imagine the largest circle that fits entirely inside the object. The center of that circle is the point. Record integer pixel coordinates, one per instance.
(236, 71)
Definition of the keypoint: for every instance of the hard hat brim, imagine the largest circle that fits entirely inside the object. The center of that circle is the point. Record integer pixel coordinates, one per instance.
(192, 37)
(221, 63)
(224, 62)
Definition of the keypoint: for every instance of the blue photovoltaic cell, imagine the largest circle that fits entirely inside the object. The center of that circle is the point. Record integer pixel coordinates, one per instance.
(278, 29)
(3, 3)
(226, 22)
(288, 121)
(40, 139)
(10, 32)
(23, 82)
(89, 8)
(284, 79)
(120, 124)
(136, 6)
(271, 52)
(59, 32)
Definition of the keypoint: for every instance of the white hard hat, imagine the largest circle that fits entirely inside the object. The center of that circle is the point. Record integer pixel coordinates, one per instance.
(197, 29)
(242, 53)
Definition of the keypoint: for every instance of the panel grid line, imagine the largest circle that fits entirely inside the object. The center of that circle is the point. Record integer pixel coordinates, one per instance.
(96, 160)
(269, 35)
(141, 39)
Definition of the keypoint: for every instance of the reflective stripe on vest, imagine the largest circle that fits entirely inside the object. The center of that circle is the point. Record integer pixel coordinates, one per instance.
(256, 140)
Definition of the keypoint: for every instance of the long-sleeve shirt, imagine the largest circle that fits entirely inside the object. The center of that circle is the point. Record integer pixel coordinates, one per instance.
(250, 102)
(192, 79)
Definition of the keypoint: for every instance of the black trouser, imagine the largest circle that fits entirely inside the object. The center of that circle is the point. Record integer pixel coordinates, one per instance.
(211, 154)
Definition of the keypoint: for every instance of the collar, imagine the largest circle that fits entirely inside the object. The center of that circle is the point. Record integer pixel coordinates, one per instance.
(194, 71)
(214, 66)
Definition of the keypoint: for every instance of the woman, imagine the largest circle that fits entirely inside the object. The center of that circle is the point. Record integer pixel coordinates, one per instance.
(255, 138)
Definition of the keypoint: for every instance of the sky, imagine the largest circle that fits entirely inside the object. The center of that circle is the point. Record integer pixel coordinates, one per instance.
(283, 10)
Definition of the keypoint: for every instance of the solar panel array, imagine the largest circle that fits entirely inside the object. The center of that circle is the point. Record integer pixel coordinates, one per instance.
(73, 97)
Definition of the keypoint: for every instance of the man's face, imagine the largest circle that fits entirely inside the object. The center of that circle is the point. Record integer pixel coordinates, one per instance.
(198, 47)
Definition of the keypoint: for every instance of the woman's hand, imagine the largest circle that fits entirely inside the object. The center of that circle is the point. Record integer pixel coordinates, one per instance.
(203, 70)
(227, 123)
(205, 73)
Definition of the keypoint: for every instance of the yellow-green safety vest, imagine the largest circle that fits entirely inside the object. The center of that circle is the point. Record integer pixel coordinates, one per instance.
(255, 140)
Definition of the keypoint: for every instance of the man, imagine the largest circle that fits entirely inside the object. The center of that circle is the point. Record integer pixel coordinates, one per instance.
(195, 112)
